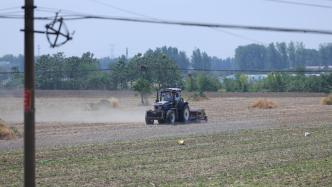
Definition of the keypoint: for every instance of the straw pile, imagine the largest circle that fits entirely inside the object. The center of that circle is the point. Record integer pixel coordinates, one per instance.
(326, 100)
(6, 133)
(264, 104)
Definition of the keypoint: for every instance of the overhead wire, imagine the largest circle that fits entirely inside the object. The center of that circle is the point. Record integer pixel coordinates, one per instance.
(122, 9)
(194, 69)
(201, 24)
(301, 4)
(146, 16)
(239, 36)
(61, 10)
(10, 8)
(73, 17)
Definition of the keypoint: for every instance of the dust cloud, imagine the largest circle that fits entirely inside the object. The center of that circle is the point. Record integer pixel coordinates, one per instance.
(74, 110)
(72, 114)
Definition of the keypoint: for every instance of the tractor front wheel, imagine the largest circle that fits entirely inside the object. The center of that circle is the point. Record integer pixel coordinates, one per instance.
(170, 117)
(148, 121)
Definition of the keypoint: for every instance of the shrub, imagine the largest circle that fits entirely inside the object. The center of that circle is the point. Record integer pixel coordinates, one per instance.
(202, 82)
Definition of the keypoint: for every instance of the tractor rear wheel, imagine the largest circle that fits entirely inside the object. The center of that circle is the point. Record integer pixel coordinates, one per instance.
(170, 117)
(185, 114)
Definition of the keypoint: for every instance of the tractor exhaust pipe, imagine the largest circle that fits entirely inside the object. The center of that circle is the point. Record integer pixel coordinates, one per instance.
(157, 99)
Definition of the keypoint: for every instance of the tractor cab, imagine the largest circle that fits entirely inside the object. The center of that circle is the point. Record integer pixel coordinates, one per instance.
(170, 95)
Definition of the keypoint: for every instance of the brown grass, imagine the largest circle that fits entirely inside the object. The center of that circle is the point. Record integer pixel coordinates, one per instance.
(6, 133)
(326, 100)
(264, 104)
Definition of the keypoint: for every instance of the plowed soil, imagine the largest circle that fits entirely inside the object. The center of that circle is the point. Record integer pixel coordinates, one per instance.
(63, 118)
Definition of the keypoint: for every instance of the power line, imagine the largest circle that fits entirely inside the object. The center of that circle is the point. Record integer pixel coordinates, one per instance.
(122, 9)
(238, 36)
(190, 69)
(301, 4)
(146, 16)
(11, 17)
(10, 8)
(182, 23)
(198, 24)
(61, 10)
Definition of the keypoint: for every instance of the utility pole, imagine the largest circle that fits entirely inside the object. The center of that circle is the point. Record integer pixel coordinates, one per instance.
(29, 96)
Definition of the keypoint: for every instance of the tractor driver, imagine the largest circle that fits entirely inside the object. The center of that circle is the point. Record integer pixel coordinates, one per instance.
(176, 96)
(166, 96)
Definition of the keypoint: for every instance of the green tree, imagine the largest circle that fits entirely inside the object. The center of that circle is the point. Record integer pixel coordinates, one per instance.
(190, 83)
(119, 73)
(239, 83)
(200, 60)
(207, 83)
(325, 52)
(276, 82)
(179, 57)
(251, 57)
(156, 68)
(291, 55)
(282, 50)
(143, 87)
(15, 79)
(202, 82)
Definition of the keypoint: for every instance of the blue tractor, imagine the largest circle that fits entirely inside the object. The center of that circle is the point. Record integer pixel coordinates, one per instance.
(170, 108)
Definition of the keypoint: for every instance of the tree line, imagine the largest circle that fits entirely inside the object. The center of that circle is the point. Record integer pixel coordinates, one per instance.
(279, 82)
(275, 56)
(282, 56)
(170, 67)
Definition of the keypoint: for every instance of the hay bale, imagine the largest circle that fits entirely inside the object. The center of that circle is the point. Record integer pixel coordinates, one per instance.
(264, 104)
(104, 104)
(6, 133)
(326, 100)
(115, 103)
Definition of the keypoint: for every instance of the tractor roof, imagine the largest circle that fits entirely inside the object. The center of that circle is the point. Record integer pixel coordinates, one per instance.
(171, 90)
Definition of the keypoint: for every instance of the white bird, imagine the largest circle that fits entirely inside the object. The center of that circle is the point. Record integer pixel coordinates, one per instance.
(306, 134)
(180, 142)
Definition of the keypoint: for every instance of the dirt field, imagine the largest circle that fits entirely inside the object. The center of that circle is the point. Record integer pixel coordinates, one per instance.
(269, 157)
(64, 118)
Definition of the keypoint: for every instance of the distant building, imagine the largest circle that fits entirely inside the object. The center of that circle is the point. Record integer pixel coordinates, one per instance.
(4, 63)
(257, 77)
(317, 67)
(251, 77)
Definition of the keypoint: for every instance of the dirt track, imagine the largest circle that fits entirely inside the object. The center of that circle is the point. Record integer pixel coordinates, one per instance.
(63, 121)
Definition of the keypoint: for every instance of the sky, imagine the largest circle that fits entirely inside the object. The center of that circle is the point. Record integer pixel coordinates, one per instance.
(111, 38)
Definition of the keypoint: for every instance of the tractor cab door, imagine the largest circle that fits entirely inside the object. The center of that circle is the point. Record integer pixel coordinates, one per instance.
(177, 97)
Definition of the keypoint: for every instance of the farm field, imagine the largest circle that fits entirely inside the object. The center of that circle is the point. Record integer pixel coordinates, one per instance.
(63, 118)
(240, 145)
(281, 156)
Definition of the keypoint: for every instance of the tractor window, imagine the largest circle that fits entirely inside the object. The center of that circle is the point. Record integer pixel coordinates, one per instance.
(166, 96)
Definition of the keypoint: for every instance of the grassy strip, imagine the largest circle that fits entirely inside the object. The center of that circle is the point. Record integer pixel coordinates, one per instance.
(249, 157)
